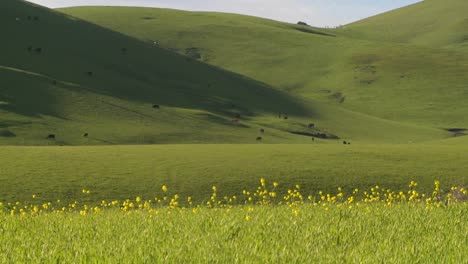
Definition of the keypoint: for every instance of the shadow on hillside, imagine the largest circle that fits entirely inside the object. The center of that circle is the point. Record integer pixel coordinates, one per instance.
(109, 63)
(26, 95)
(310, 30)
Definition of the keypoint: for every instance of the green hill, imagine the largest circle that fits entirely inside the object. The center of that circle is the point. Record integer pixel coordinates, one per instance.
(66, 77)
(402, 82)
(434, 23)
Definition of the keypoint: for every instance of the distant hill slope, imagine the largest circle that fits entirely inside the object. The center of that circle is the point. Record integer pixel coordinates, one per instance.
(67, 77)
(64, 81)
(406, 83)
(435, 23)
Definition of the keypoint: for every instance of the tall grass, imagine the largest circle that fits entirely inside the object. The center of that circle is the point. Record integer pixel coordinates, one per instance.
(375, 226)
(398, 234)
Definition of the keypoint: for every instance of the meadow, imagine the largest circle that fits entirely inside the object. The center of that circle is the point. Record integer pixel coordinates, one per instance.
(263, 226)
(116, 172)
(137, 135)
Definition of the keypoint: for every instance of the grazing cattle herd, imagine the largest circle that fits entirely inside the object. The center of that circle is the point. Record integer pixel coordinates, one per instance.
(236, 118)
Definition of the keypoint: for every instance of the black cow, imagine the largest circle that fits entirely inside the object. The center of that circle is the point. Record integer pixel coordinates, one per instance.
(85, 135)
(90, 73)
(345, 143)
(156, 106)
(259, 138)
(286, 117)
(51, 136)
(262, 130)
(311, 125)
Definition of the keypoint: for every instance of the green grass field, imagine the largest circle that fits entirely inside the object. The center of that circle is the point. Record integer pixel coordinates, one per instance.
(383, 226)
(179, 104)
(273, 235)
(119, 172)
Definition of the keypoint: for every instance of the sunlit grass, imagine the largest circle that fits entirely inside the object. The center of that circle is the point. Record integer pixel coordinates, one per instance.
(261, 225)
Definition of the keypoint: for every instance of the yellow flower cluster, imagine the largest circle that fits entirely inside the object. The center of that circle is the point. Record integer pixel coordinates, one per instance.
(264, 195)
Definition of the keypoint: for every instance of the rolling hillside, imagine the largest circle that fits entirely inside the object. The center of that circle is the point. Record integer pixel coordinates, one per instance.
(433, 23)
(402, 82)
(65, 77)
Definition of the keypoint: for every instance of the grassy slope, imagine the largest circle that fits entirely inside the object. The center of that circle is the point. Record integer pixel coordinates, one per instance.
(114, 105)
(435, 23)
(119, 172)
(405, 83)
